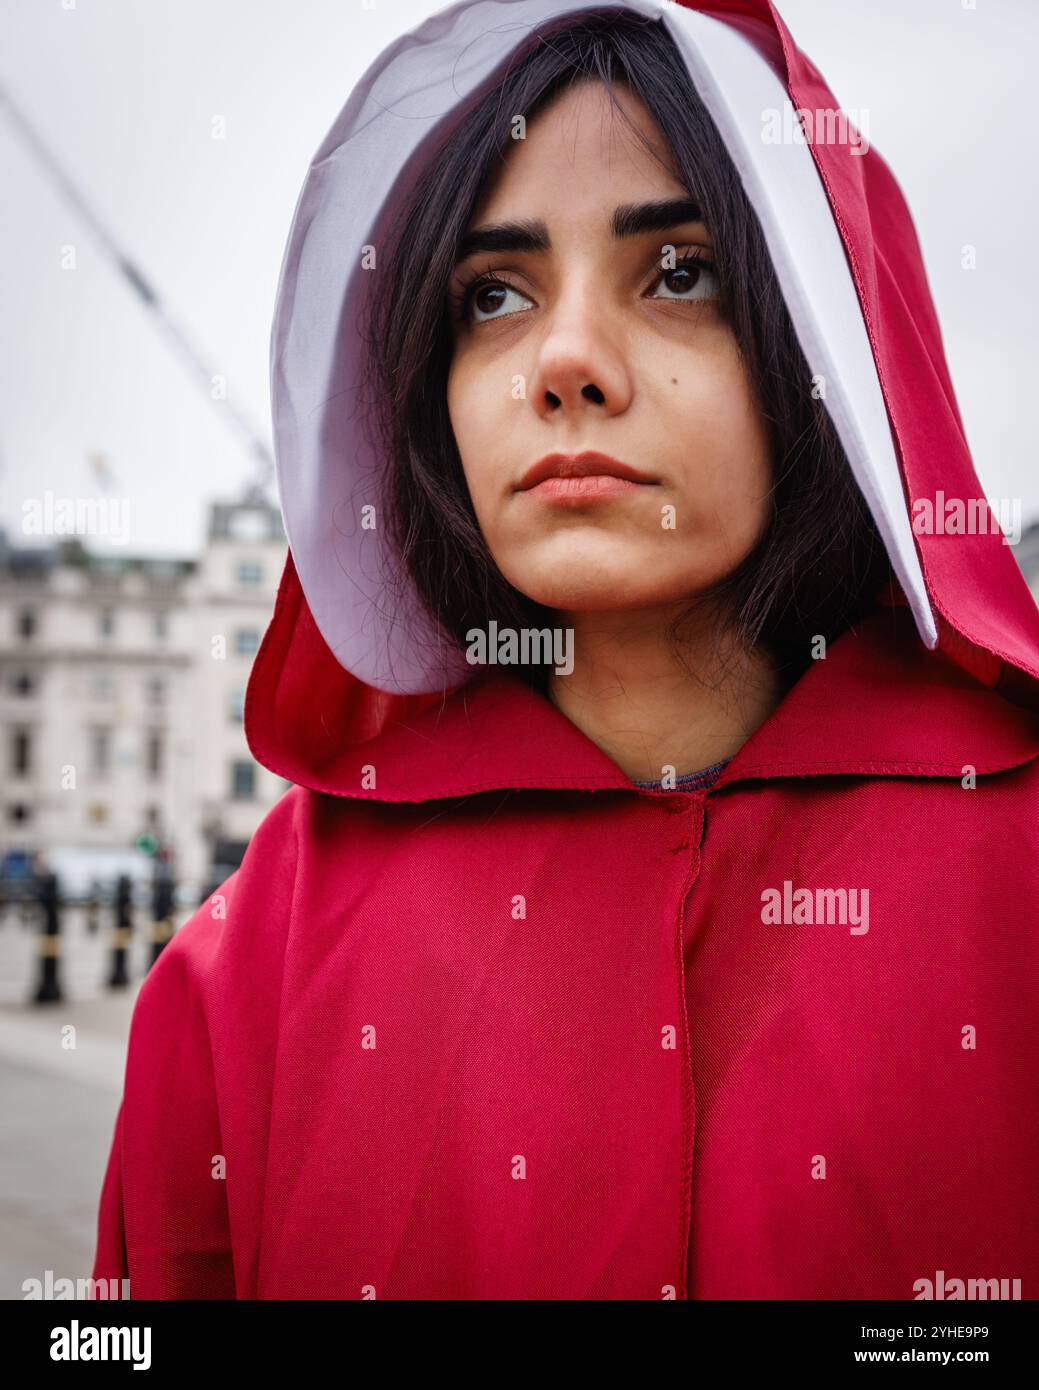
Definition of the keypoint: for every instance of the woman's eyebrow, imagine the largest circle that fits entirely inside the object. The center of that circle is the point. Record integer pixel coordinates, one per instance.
(635, 218)
(631, 219)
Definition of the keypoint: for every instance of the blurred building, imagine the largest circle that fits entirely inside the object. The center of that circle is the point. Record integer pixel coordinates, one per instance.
(232, 597)
(1027, 552)
(122, 684)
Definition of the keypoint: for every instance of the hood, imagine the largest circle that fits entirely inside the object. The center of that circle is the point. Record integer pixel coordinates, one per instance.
(340, 664)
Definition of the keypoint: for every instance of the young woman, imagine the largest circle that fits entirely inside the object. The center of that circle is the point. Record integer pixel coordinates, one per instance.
(653, 915)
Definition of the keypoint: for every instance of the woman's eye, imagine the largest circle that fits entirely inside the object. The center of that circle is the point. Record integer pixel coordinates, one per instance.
(486, 299)
(691, 279)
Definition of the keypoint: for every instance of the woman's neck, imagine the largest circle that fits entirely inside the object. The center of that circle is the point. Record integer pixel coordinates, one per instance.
(631, 695)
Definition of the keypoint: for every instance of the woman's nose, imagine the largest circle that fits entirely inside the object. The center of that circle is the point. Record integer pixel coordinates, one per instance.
(580, 361)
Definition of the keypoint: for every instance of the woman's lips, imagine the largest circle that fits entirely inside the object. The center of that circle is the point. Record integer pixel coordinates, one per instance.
(585, 487)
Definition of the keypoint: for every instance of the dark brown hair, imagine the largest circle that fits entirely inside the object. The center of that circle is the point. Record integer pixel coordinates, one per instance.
(820, 560)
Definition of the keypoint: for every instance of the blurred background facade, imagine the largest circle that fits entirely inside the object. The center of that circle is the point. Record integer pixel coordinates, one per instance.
(122, 690)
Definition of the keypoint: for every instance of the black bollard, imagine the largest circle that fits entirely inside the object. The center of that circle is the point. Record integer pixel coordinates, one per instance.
(48, 989)
(162, 909)
(121, 932)
(94, 908)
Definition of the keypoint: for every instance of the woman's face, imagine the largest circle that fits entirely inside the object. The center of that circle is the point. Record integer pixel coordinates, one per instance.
(599, 339)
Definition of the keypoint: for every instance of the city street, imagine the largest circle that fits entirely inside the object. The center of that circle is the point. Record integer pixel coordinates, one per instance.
(59, 1101)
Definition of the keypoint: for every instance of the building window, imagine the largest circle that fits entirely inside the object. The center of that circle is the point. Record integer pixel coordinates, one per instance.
(161, 625)
(26, 623)
(243, 781)
(246, 641)
(101, 751)
(22, 683)
(153, 753)
(249, 524)
(238, 705)
(249, 572)
(21, 753)
(102, 686)
(155, 690)
(106, 622)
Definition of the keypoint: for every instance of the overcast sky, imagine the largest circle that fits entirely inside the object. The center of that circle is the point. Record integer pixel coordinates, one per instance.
(125, 92)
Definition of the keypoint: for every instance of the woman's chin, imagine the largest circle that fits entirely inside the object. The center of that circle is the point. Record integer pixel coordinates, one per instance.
(599, 593)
